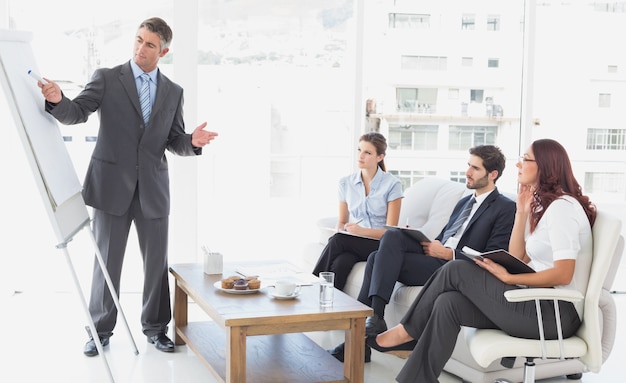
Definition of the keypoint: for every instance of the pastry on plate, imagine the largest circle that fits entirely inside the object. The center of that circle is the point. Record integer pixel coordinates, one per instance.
(254, 284)
(240, 284)
(228, 283)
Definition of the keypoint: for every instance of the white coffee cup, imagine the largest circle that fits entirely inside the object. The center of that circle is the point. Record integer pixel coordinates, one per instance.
(286, 288)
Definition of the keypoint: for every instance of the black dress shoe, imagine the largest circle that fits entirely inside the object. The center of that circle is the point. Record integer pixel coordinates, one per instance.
(375, 325)
(162, 342)
(408, 346)
(90, 348)
(338, 352)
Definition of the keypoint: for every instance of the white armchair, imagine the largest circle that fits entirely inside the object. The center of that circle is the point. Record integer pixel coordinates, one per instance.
(479, 353)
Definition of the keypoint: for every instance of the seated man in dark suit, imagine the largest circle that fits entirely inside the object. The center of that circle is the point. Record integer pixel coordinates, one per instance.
(482, 221)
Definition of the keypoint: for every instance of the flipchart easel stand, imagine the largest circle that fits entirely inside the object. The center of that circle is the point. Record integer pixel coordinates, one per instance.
(92, 326)
(49, 160)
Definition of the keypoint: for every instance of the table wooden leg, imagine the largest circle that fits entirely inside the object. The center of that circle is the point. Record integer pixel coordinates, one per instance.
(236, 355)
(180, 312)
(354, 353)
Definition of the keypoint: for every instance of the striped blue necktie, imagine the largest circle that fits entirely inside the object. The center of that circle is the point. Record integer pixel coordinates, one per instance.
(144, 98)
(459, 221)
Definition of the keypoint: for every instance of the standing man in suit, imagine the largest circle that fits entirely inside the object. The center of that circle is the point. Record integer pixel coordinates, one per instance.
(482, 221)
(127, 179)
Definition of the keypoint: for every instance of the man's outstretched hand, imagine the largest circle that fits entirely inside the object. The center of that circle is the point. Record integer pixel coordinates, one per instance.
(201, 137)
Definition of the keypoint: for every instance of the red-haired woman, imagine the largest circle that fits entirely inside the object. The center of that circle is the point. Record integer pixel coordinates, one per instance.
(552, 233)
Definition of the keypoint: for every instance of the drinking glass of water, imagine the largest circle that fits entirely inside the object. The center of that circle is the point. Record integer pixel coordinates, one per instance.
(327, 286)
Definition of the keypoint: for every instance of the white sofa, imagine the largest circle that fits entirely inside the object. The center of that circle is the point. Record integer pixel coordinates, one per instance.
(427, 204)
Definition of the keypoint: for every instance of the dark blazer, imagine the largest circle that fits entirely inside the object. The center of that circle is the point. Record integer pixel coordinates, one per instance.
(127, 153)
(401, 258)
(489, 228)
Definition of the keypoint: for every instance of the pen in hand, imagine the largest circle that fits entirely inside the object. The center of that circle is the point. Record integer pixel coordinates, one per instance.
(354, 223)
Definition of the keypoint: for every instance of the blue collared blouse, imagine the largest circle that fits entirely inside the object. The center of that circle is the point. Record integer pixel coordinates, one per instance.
(372, 208)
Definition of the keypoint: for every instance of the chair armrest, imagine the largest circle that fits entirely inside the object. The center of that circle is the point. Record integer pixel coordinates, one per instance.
(521, 295)
(537, 294)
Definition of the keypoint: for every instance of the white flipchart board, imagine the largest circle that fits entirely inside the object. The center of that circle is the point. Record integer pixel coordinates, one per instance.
(49, 160)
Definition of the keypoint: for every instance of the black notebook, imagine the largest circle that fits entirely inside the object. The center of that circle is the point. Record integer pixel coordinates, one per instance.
(415, 233)
(512, 264)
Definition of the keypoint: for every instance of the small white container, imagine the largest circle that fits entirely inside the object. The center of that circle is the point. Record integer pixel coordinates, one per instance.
(213, 263)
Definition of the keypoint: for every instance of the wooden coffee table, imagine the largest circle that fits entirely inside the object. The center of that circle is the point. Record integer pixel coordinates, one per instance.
(255, 338)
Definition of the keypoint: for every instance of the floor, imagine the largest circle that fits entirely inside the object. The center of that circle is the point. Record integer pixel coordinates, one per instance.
(48, 326)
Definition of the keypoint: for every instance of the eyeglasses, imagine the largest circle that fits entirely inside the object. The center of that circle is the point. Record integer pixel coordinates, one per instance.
(525, 159)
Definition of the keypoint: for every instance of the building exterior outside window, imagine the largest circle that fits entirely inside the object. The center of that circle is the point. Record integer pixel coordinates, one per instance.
(606, 139)
(282, 88)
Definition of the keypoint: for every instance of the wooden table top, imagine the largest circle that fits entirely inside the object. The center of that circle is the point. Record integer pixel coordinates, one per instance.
(260, 308)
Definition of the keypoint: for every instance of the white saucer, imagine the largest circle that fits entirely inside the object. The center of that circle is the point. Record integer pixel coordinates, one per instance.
(218, 285)
(285, 297)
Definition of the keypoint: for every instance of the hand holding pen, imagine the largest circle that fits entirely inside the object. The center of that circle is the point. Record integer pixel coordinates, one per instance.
(351, 224)
(49, 89)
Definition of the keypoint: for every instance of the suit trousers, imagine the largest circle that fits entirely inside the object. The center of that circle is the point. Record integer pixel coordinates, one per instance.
(341, 253)
(463, 294)
(399, 257)
(111, 233)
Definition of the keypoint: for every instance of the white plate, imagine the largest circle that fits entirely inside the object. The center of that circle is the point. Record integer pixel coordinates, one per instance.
(218, 285)
(279, 296)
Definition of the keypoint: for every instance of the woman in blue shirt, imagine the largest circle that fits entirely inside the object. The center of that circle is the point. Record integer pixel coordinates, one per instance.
(368, 200)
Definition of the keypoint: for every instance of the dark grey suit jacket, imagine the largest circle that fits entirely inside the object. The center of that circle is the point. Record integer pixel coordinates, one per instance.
(128, 154)
(490, 226)
(401, 258)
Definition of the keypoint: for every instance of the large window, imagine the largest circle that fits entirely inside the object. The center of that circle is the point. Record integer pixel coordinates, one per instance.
(468, 21)
(476, 95)
(605, 182)
(604, 100)
(606, 139)
(409, 177)
(493, 63)
(286, 85)
(413, 137)
(493, 22)
(409, 21)
(458, 176)
(417, 100)
(464, 137)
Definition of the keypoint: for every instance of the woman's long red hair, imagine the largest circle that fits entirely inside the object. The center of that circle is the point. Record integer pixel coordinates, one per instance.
(555, 179)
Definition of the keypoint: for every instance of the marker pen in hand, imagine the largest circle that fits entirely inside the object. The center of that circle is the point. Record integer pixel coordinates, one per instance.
(37, 77)
(358, 221)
